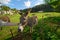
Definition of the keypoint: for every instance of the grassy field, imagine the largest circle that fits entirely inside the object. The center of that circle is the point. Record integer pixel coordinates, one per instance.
(5, 33)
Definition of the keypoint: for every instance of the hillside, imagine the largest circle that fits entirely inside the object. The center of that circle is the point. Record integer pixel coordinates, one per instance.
(41, 7)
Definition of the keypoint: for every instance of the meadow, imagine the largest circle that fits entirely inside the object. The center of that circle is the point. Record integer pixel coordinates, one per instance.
(48, 27)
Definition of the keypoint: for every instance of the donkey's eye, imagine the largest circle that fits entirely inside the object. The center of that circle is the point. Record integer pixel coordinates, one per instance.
(24, 19)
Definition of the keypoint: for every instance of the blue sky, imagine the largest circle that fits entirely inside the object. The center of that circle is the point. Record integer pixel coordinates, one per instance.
(21, 4)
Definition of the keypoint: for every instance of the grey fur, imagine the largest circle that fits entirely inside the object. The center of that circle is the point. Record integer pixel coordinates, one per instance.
(29, 21)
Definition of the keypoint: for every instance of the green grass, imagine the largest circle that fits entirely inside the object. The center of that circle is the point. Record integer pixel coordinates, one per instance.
(5, 33)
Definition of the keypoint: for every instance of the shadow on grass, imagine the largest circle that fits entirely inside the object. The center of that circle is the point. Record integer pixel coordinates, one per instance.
(9, 38)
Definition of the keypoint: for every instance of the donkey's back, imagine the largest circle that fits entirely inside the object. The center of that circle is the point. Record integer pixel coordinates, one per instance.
(32, 21)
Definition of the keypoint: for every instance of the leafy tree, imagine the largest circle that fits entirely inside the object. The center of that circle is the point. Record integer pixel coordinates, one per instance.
(54, 3)
(15, 10)
(6, 8)
(42, 7)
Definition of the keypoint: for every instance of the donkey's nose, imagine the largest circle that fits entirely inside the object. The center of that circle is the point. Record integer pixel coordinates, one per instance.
(19, 30)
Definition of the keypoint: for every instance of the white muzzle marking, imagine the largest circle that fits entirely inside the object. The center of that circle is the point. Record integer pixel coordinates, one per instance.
(20, 27)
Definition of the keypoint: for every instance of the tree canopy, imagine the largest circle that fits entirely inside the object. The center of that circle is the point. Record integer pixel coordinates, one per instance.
(41, 7)
(54, 3)
(6, 8)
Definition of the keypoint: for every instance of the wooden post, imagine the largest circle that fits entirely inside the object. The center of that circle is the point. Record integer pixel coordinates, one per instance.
(12, 34)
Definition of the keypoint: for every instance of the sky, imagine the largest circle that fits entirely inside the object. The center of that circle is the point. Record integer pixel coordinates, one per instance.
(21, 4)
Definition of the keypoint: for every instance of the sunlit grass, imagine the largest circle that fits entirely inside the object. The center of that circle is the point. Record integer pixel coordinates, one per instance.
(5, 33)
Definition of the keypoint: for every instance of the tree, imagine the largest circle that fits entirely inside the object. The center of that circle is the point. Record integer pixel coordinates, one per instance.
(5, 8)
(54, 3)
(41, 7)
(15, 10)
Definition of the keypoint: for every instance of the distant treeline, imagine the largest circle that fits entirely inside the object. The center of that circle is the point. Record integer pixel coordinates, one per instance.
(43, 7)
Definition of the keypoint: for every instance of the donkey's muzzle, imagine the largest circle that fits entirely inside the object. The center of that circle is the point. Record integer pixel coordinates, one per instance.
(19, 30)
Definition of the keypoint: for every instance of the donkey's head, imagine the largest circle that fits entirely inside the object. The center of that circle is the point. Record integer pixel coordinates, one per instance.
(24, 17)
(23, 20)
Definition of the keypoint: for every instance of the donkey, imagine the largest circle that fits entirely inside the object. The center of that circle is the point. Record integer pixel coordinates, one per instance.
(26, 20)
(5, 18)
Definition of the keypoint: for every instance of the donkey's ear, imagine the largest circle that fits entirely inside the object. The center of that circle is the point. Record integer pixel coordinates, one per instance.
(29, 9)
(26, 13)
(20, 13)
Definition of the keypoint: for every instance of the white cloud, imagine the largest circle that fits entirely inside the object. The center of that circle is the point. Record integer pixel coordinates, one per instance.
(37, 3)
(27, 3)
(5, 1)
